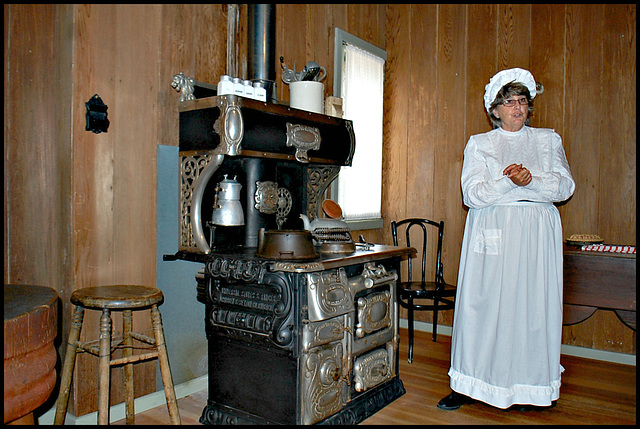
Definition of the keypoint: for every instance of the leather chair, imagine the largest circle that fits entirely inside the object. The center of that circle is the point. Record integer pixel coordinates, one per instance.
(422, 295)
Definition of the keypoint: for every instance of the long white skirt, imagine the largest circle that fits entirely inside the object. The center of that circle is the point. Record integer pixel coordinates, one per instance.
(507, 326)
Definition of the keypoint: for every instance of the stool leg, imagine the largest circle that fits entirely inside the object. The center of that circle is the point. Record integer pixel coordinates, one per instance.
(128, 368)
(69, 364)
(165, 370)
(104, 367)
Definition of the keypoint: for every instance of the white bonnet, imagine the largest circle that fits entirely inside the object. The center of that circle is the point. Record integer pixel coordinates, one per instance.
(504, 77)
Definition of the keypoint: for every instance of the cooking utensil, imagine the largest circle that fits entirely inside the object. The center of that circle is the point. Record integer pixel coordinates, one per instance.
(316, 70)
(332, 209)
(288, 244)
(363, 243)
(289, 75)
(344, 247)
(323, 224)
(310, 74)
(310, 71)
(227, 210)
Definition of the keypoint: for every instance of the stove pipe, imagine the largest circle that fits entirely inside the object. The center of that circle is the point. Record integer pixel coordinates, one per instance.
(262, 46)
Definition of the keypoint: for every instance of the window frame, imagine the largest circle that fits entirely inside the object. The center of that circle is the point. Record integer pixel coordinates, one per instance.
(342, 38)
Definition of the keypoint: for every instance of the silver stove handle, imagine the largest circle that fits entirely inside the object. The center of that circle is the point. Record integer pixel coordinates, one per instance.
(196, 202)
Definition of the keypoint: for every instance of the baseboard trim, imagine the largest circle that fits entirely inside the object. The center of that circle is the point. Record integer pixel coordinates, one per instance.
(143, 403)
(584, 352)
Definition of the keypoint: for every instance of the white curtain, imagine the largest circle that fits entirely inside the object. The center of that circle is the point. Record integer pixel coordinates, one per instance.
(360, 186)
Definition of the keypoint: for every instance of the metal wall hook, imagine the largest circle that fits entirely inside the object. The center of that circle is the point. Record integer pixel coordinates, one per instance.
(96, 115)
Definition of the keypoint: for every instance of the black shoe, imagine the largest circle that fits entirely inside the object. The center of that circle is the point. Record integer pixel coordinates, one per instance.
(454, 401)
(525, 408)
(521, 407)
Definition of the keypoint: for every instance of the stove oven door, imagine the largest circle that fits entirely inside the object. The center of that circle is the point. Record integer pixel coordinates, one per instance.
(373, 368)
(374, 313)
(374, 327)
(374, 344)
(324, 367)
(329, 294)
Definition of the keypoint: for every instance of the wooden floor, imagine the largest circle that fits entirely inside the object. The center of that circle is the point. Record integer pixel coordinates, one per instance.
(592, 392)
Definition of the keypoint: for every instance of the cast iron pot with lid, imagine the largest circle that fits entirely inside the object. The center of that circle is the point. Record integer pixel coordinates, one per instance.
(287, 244)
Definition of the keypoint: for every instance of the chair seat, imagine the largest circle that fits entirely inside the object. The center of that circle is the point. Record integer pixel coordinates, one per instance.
(426, 290)
(117, 297)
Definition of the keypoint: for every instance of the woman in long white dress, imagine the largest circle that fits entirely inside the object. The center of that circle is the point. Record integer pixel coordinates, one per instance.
(507, 324)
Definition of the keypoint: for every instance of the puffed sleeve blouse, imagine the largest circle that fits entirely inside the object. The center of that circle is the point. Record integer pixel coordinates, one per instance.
(540, 150)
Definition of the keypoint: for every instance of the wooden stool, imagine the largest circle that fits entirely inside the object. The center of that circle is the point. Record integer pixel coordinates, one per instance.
(123, 298)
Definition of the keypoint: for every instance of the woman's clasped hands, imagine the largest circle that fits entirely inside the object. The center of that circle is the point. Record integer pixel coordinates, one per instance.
(518, 174)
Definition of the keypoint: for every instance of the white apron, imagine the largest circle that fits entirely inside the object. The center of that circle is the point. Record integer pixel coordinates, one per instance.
(507, 325)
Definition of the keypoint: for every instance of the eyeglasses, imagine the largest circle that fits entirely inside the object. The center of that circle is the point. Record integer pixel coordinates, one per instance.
(510, 103)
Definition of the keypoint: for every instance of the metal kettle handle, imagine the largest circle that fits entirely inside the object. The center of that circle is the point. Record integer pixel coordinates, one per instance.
(196, 204)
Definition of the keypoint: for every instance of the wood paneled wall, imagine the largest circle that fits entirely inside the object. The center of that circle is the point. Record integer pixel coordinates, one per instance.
(80, 207)
(441, 57)
(38, 235)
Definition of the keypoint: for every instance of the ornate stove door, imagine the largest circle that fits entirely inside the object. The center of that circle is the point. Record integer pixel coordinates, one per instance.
(323, 388)
(373, 368)
(374, 313)
(325, 362)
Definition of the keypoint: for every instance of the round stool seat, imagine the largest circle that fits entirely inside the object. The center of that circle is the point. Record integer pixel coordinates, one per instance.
(117, 297)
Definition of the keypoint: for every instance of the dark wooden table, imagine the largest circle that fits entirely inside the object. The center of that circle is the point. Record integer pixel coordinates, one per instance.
(594, 280)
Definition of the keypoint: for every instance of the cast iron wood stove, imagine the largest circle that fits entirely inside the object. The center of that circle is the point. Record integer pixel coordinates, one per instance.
(290, 341)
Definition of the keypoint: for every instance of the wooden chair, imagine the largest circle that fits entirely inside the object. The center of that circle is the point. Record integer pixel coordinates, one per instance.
(125, 298)
(434, 295)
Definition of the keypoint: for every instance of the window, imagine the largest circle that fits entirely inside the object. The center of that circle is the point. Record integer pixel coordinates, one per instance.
(358, 80)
